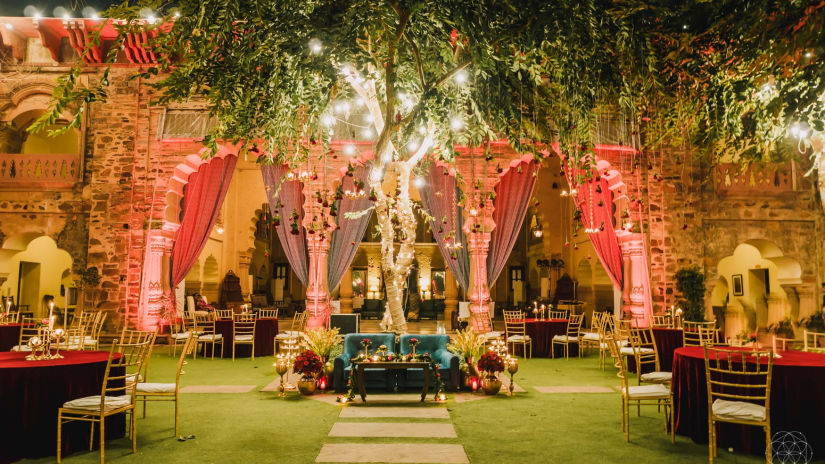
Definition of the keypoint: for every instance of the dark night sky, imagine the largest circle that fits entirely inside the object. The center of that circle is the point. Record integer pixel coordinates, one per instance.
(46, 7)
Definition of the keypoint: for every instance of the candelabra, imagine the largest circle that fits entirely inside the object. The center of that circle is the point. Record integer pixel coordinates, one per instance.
(41, 344)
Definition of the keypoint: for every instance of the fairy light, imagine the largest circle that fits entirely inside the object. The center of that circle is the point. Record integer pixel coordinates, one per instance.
(360, 101)
(412, 145)
(327, 120)
(386, 157)
(418, 182)
(473, 212)
(456, 123)
(341, 107)
(376, 175)
(315, 46)
(9, 26)
(349, 149)
(367, 133)
(461, 76)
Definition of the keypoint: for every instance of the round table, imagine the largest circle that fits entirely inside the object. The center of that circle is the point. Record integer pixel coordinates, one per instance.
(265, 331)
(797, 403)
(31, 392)
(541, 332)
(9, 336)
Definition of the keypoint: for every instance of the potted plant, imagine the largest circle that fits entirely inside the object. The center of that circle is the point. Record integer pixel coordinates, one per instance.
(690, 282)
(309, 365)
(783, 328)
(323, 341)
(491, 364)
(468, 346)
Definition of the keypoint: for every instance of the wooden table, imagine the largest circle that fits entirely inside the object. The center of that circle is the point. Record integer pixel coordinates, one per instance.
(392, 365)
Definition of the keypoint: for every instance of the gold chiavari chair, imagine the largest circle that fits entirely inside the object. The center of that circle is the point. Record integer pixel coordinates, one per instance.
(622, 330)
(477, 322)
(516, 333)
(208, 336)
(91, 340)
(268, 313)
(224, 313)
(75, 338)
(81, 329)
(739, 391)
(148, 391)
(117, 396)
(179, 331)
(558, 314)
(698, 333)
(646, 354)
(573, 336)
(641, 395)
(591, 338)
(663, 321)
(243, 332)
(11, 317)
(129, 338)
(28, 329)
(813, 342)
(605, 331)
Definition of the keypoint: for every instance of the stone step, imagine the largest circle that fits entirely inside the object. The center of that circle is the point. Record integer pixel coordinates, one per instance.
(393, 430)
(409, 412)
(393, 452)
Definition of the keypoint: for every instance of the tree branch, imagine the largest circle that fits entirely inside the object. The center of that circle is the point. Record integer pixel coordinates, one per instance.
(417, 55)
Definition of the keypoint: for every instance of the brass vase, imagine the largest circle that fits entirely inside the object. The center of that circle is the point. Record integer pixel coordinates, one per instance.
(307, 385)
(491, 384)
(329, 367)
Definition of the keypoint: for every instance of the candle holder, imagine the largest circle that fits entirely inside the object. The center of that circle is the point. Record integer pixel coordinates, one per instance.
(57, 336)
(35, 344)
(281, 368)
(512, 368)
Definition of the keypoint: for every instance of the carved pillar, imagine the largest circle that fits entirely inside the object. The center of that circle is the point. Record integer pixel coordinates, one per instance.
(318, 229)
(807, 301)
(424, 273)
(776, 309)
(450, 295)
(152, 283)
(633, 295)
(244, 260)
(479, 294)
(345, 292)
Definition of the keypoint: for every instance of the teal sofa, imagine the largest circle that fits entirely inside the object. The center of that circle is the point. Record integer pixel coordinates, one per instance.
(436, 346)
(374, 378)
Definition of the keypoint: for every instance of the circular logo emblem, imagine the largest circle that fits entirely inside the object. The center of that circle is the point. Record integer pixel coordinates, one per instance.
(790, 448)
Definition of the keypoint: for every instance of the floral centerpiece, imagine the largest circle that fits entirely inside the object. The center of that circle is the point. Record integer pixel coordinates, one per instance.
(323, 342)
(491, 363)
(468, 346)
(413, 343)
(309, 365)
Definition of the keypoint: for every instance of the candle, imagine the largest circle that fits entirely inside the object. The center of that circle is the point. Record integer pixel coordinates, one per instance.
(774, 343)
(51, 318)
(474, 383)
(323, 383)
(51, 323)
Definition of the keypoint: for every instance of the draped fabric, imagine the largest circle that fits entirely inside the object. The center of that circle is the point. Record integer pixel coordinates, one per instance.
(345, 240)
(439, 197)
(285, 198)
(513, 194)
(594, 200)
(202, 199)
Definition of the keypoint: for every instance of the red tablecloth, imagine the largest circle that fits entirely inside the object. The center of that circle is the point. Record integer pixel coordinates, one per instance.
(797, 402)
(9, 336)
(31, 393)
(542, 332)
(265, 331)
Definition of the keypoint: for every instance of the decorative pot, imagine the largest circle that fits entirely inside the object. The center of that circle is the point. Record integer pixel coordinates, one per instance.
(491, 384)
(466, 377)
(307, 385)
(329, 367)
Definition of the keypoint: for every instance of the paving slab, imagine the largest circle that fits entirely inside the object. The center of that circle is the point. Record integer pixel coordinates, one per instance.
(393, 430)
(409, 412)
(393, 452)
(217, 388)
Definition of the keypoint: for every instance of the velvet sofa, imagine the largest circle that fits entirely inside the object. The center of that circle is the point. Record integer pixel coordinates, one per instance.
(374, 378)
(436, 346)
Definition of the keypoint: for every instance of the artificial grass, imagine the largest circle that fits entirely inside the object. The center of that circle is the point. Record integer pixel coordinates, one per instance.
(529, 428)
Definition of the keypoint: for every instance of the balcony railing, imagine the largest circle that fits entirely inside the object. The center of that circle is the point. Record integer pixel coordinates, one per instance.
(27, 171)
(733, 179)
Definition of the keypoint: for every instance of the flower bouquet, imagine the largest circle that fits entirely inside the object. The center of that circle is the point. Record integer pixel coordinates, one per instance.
(309, 365)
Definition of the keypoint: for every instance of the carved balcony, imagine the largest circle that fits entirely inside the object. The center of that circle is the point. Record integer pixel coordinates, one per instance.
(762, 179)
(28, 172)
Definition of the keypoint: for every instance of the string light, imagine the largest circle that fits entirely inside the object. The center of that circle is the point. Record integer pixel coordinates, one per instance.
(418, 182)
(315, 46)
(798, 131)
(327, 120)
(412, 145)
(9, 26)
(349, 149)
(461, 76)
(456, 123)
(376, 175)
(341, 107)
(367, 133)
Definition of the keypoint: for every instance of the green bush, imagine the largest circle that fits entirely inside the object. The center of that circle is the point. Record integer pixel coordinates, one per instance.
(691, 284)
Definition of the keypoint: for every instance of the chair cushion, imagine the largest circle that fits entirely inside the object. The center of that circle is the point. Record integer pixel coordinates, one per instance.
(90, 342)
(211, 337)
(494, 334)
(150, 387)
(565, 338)
(594, 336)
(180, 336)
(130, 378)
(630, 351)
(738, 410)
(21, 348)
(92, 403)
(243, 338)
(649, 391)
(657, 377)
(518, 338)
(289, 334)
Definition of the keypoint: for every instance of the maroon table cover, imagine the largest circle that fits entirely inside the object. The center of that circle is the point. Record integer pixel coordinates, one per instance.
(797, 401)
(542, 333)
(9, 336)
(265, 331)
(31, 392)
(667, 340)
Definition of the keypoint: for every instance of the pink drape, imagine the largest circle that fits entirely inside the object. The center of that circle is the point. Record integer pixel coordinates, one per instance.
(513, 194)
(594, 200)
(284, 202)
(439, 197)
(202, 199)
(345, 240)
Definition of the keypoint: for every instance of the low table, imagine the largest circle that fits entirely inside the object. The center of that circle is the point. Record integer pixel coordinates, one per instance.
(392, 365)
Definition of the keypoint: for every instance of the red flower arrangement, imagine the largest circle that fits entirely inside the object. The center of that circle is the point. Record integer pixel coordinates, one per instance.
(308, 364)
(491, 363)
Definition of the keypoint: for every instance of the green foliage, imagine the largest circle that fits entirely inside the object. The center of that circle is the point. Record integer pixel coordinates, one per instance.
(814, 322)
(690, 282)
(783, 328)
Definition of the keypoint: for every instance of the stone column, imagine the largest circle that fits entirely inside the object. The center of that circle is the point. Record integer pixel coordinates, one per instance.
(317, 301)
(345, 292)
(450, 295)
(808, 304)
(776, 309)
(633, 296)
(244, 260)
(479, 293)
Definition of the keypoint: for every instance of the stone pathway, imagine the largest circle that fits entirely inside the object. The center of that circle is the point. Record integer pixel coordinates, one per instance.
(217, 388)
(425, 423)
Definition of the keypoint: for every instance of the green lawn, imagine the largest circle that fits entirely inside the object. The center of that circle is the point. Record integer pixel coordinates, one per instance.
(530, 428)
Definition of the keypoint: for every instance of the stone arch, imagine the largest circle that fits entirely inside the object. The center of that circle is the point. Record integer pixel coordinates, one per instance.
(50, 268)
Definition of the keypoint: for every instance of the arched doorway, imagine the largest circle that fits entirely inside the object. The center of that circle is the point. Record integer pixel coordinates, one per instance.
(35, 269)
